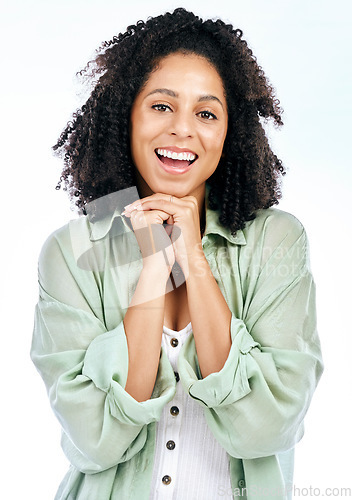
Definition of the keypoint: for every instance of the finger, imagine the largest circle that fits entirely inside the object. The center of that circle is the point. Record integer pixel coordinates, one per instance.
(132, 206)
(158, 204)
(154, 197)
(191, 199)
(147, 198)
(151, 214)
(144, 220)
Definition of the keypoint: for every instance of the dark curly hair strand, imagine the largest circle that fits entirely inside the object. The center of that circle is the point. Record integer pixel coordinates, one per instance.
(95, 145)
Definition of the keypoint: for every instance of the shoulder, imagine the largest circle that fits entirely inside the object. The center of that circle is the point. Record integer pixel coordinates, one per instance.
(277, 235)
(275, 220)
(60, 241)
(274, 226)
(61, 275)
(60, 250)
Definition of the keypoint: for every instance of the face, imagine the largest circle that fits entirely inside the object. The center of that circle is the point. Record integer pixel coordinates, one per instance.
(178, 126)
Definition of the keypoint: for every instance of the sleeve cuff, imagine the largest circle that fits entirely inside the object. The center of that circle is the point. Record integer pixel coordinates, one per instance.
(229, 384)
(106, 364)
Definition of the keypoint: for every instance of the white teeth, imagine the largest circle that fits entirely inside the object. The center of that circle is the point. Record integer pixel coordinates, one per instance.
(176, 156)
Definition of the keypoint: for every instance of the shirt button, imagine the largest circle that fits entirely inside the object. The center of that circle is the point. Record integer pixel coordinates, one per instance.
(174, 411)
(166, 479)
(177, 376)
(170, 445)
(241, 483)
(174, 342)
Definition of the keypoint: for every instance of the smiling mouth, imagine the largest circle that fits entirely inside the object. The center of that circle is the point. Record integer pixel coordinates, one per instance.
(175, 160)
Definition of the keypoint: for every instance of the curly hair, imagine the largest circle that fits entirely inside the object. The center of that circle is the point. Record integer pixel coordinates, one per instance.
(95, 145)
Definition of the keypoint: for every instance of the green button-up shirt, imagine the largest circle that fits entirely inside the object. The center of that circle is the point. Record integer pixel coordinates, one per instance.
(255, 405)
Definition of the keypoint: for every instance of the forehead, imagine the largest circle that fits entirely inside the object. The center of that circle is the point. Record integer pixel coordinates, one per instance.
(187, 70)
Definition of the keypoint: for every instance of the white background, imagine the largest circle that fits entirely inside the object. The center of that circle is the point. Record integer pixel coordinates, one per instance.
(304, 47)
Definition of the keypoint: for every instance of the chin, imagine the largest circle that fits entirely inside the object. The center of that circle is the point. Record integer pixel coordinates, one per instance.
(175, 188)
(177, 191)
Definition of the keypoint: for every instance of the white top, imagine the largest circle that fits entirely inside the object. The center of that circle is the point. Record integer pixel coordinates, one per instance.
(186, 450)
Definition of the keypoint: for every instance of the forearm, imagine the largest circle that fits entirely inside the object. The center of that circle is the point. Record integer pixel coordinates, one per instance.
(143, 325)
(210, 317)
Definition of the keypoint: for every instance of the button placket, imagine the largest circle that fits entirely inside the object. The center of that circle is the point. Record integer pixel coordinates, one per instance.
(172, 418)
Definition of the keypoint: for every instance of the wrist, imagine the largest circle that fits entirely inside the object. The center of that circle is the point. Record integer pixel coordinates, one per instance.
(156, 268)
(198, 267)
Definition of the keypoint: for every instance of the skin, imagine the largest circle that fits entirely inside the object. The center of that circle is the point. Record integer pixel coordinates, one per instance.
(190, 113)
(159, 119)
(171, 112)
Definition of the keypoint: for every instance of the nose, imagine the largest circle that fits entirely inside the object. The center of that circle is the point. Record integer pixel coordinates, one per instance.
(182, 124)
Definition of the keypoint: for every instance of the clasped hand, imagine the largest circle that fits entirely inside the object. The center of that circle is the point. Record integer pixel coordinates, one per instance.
(181, 216)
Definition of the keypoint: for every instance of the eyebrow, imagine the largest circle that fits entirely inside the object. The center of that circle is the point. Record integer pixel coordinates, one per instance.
(171, 93)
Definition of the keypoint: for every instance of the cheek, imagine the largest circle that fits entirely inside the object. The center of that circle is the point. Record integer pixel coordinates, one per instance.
(139, 122)
(144, 131)
(217, 142)
(214, 138)
(138, 138)
(137, 129)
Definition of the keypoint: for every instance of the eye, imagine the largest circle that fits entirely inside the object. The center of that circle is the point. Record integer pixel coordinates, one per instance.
(161, 107)
(207, 115)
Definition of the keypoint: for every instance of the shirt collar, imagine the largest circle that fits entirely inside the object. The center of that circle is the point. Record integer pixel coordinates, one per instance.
(213, 226)
(106, 211)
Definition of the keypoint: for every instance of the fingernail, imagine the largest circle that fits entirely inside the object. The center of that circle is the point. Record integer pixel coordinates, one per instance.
(128, 207)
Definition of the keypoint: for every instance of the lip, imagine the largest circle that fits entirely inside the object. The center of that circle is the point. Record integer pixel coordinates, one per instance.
(174, 170)
(176, 149)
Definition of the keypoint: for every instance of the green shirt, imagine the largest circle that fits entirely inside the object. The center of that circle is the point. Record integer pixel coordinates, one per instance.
(255, 405)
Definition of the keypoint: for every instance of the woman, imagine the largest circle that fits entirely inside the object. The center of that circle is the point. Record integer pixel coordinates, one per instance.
(175, 329)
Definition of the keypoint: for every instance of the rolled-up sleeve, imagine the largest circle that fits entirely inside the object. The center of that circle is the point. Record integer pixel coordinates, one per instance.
(255, 405)
(84, 367)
